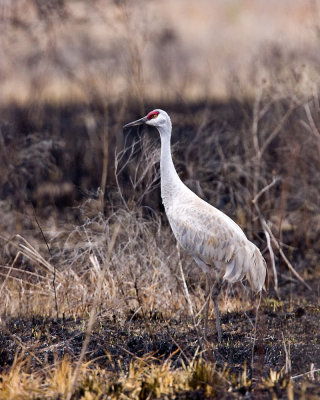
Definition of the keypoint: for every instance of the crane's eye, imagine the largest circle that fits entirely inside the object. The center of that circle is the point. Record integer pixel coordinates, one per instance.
(152, 114)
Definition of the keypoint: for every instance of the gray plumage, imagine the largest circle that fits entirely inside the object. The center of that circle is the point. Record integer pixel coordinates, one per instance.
(211, 236)
(216, 242)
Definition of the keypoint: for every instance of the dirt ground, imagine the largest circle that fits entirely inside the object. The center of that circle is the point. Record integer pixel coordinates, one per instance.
(287, 335)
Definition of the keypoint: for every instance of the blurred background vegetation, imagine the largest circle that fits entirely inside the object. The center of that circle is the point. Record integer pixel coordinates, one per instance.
(240, 80)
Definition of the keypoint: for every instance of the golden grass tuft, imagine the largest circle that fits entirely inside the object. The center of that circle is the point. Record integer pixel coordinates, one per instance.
(145, 379)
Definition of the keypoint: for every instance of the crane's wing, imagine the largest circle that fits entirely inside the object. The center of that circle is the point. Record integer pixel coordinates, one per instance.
(217, 240)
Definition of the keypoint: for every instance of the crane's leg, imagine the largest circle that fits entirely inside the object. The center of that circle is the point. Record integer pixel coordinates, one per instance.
(213, 290)
(215, 294)
(207, 270)
(207, 297)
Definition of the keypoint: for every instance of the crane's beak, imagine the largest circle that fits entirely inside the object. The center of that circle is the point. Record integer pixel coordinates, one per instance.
(140, 121)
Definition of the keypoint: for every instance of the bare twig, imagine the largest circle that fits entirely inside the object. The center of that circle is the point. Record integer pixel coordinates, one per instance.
(276, 131)
(263, 190)
(9, 272)
(105, 163)
(314, 130)
(271, 256)
(38, 287)
(265, 230)
(289, 265)
(311, 373)
(287, 353)
(268, 231)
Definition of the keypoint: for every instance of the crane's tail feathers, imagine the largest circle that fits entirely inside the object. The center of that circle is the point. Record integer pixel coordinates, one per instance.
(233, 272)
(256, 274)
(247, 262)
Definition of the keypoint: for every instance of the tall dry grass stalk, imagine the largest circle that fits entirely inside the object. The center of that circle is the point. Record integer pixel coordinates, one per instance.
(96, 299)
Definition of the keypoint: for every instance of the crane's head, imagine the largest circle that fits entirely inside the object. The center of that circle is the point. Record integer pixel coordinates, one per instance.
(158, 118)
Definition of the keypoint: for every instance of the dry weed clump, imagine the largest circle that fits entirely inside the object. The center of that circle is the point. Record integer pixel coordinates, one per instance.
(140, 273)
(145, 379)
(140, 276)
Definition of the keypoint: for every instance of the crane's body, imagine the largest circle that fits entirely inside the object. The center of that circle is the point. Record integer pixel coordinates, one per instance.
(216, 242)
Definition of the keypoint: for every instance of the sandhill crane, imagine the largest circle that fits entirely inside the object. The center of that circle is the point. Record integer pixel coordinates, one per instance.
(217, 244)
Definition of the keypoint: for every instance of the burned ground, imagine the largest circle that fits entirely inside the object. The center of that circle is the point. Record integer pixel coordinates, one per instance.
(287, 336)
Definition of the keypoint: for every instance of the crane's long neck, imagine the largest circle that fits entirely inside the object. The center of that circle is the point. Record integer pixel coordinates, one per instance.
(171, 184)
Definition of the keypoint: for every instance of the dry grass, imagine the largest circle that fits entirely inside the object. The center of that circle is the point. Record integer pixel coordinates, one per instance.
(142, 274)
(144, 380)
(73, 74)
